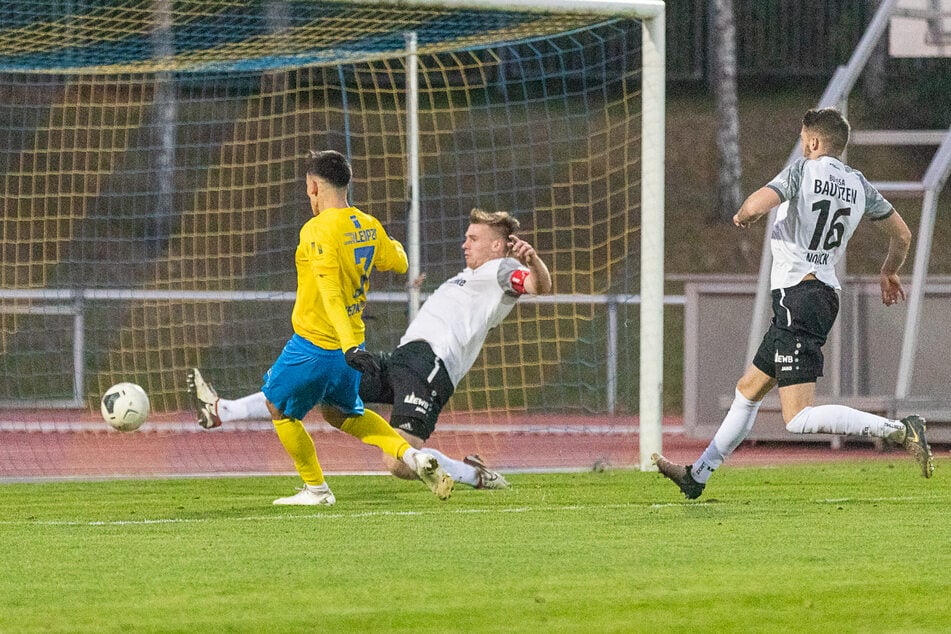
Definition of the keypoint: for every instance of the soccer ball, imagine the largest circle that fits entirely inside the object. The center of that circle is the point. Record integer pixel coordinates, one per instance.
(125, 406)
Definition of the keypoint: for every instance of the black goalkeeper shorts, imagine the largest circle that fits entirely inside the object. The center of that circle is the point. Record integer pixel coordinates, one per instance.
(415, 382)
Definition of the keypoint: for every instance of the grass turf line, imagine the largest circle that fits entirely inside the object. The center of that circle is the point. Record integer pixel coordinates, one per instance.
(843, 546)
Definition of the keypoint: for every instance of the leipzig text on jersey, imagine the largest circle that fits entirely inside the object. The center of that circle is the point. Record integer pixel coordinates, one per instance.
(363, 235)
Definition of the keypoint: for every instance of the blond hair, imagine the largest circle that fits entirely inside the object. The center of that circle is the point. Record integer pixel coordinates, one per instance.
(501, 221)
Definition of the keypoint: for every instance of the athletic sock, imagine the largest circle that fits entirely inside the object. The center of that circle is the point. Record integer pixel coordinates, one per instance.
(457, 469)
(300, 446)
(409, 457)
(252, 407)
(735, 427)
(842, 420)
(371, 429)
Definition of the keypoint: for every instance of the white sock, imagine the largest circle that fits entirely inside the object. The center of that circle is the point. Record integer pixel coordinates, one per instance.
(318, 488)
(460, 471)
(735, 426)
(252, 407)
(839, 419)
(409, 457)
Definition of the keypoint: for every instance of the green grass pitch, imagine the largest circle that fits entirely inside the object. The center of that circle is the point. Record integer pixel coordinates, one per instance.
(844, 546)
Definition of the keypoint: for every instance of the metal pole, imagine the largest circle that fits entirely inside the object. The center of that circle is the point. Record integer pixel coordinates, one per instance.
(612, 356)
(79, 345)
(934, 180)
(909, 342)
(412, 147)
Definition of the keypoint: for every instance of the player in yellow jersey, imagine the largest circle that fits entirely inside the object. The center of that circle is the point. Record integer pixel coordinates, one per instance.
(339, 248)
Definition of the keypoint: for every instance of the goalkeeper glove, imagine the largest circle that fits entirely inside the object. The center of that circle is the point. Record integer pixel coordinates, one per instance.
(361, 360)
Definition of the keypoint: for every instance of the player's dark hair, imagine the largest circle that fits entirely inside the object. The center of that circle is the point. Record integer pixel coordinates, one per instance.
(829, 124)
(503, 223)
(329, 165)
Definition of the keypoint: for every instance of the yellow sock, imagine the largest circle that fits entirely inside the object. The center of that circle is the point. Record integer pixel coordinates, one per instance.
(373, 430)
(298, 443)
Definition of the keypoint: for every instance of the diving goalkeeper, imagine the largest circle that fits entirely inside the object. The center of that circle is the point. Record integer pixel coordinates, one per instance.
(438, 349)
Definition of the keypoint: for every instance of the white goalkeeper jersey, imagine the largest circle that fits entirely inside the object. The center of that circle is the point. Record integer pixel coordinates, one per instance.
(458, 316)
(823, 201)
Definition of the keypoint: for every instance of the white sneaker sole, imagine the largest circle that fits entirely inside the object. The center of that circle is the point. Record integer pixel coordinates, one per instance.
(302, 499)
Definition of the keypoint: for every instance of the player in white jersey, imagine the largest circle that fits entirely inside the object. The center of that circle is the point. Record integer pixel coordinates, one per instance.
(821, 202)
(437, 350)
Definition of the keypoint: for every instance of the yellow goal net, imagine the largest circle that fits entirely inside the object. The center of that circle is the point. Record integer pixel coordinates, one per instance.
(150, 161)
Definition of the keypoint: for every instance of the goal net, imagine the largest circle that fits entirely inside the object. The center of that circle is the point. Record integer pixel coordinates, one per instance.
(151, 155)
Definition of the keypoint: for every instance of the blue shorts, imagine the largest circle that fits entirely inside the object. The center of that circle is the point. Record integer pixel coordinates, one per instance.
(306, 375)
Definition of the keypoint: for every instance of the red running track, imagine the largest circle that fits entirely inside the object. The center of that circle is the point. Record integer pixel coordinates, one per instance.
(66, 445)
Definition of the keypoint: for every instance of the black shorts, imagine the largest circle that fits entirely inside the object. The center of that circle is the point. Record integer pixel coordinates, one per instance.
(375, 386)
(803, 315)
(415, 381)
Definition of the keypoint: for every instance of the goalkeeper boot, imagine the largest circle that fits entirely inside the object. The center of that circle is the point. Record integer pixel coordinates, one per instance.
(309, 496)
(915, 443)
(487, 479)
(206, 399)
(435, 477)
(679, 475)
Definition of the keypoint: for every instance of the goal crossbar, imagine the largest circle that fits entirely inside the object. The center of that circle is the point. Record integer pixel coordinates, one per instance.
(644, 9)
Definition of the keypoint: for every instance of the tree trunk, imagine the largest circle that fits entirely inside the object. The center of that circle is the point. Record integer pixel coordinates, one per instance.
(728, 121)
(159, 225)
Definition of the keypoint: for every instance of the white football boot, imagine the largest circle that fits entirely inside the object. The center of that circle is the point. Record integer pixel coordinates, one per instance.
(206, 399)
(435, 477)
(488, 479)
(309, 496)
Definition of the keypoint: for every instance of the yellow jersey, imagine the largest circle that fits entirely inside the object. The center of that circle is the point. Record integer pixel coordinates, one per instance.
(338, 250)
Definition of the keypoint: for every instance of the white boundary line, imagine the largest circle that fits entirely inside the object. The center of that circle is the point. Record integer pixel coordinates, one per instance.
(876, 500)
(473, 511)
(319, 516)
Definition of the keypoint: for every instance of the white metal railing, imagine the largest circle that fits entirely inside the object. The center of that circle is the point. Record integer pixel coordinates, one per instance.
(73, 302)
